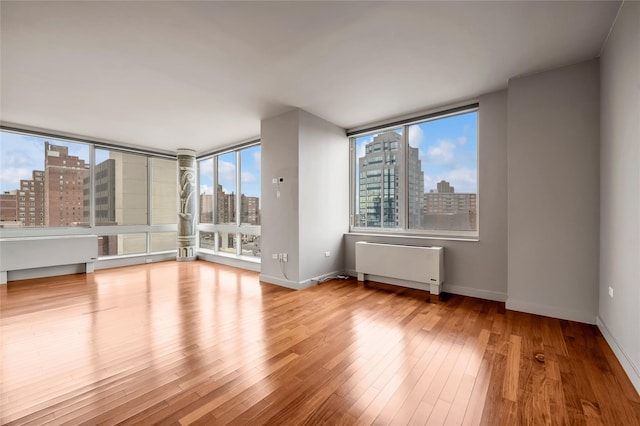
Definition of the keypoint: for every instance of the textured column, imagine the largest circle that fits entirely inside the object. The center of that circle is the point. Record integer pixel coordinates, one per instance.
(187, 213)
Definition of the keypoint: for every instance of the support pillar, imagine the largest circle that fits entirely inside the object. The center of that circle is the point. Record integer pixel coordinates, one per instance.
(187, 213)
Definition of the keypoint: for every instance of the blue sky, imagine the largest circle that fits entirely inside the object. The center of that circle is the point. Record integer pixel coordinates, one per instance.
(21, 154)
(447, 149)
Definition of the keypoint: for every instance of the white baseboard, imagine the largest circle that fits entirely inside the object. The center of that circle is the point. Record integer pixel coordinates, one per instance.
(479, 293)
(230, 261)
(632, 370)
(297, 285)
(116, 262)
(48, 271)
(551, 311)
(447, 288)
(281, 282)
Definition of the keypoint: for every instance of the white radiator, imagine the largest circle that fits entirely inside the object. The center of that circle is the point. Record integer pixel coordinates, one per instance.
(423, 265)
(40, 252)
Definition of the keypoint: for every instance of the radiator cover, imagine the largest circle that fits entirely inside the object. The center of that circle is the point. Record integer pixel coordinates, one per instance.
(423, 265)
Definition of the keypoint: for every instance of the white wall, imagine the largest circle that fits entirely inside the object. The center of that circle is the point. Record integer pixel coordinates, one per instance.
(619, 317)
(553, 207)
(476, 269)
(312, 213)
(324, 196)
(279, 230)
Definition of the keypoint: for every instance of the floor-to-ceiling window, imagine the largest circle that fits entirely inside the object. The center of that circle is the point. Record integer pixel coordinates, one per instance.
(230, 202)
(61, 186)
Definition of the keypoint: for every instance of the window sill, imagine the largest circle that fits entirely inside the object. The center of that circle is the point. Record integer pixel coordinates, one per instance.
(209, 252)
(472, 239)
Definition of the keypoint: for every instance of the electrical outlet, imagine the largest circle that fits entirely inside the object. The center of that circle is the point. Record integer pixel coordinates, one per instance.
(279, 256)
(610, 291)
(327, 253)
(284, 257)
(274, 256)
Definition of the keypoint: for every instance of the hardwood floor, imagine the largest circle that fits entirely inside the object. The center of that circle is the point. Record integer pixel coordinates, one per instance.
(196, 342)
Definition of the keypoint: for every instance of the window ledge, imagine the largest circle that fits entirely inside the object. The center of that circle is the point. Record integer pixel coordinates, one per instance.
(414, 236)
(230, 255)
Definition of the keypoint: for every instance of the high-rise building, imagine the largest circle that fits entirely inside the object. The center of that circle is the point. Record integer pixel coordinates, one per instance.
(63, 187)
(53, 196)
(250, 210)
(31, 200)
(206, 208)
(226, 206)
(379, 171)
(105, 192)
(446, 209)
(9, 208)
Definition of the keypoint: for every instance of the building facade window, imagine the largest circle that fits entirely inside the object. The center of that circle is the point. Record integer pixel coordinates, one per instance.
(419, 177)
(230, 203)
(77, 187)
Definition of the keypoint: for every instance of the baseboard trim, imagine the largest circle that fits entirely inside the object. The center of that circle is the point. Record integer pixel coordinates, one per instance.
(281, 282)
(230, 261)
(551, 311)
(629, 367)
(479, 293)
(447, 288)
(116, 262)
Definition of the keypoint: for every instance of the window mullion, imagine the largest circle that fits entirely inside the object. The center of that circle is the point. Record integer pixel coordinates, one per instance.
(238, 200)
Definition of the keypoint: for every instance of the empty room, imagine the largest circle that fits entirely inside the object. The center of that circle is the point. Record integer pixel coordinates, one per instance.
(320, 212)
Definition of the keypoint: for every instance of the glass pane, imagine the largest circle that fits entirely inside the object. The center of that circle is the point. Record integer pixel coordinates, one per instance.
(206, 190)
(250, 245)
(226, 188)
(207, 240)
(165, 195)
(379, 180)
(163, 241)
(114, 245)
(227, 242)
(250, 185)
(120, 188)
(443, 174)
(44, 182)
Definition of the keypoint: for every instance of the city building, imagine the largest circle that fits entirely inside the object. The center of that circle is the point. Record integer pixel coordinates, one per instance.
(9, 208)
(380, 184)
(445, 209)
(64, 176)
(206, 208)
(250, 210)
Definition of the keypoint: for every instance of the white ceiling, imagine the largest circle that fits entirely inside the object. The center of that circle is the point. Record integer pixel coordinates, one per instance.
(202, 75)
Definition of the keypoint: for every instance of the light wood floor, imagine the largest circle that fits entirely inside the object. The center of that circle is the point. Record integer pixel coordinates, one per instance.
(202, 343)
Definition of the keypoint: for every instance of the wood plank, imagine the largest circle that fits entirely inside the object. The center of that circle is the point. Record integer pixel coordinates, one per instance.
(202, 343)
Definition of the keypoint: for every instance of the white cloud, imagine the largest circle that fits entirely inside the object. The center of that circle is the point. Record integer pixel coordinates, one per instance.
(206, 189)
(463, 179)
(248, 177)
(442, 153)
(416, 136)
(10, 177)
(462, 140)
(257, 160)
(226, 175)
(429, 183)
(206, 169)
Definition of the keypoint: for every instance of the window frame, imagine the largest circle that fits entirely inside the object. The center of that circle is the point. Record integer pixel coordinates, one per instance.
(236, 228)
(93, 228)
(404, 230)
